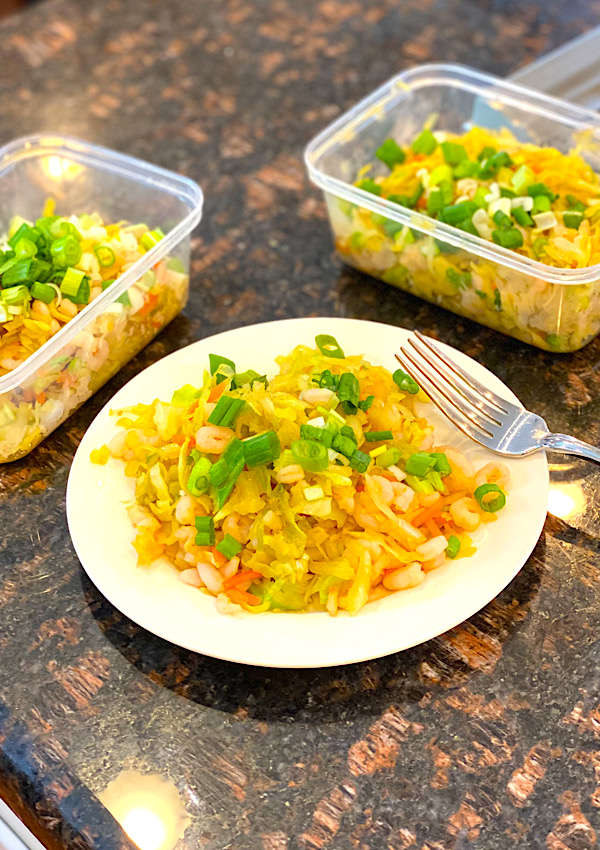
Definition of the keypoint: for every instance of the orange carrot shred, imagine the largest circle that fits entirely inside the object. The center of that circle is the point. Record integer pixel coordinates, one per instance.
(239, 578)
(243, 597)
(428, 513)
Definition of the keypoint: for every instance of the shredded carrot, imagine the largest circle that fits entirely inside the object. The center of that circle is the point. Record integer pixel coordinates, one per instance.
(219, 558)
(432, 527)
(40, 398)
(428, 513)
(239, 578)
(217, 392)
(150, 303)
(242, 597)
(179, 439)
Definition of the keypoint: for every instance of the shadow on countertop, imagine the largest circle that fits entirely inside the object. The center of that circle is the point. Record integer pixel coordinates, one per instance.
(329, 694)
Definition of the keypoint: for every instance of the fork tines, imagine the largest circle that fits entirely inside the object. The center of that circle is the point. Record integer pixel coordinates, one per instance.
(473, 408)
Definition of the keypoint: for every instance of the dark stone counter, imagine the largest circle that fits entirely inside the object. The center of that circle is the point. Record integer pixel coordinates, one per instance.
(486, 737)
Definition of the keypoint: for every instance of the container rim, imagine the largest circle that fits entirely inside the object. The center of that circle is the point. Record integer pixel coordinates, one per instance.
(129, 167)
(486, 85)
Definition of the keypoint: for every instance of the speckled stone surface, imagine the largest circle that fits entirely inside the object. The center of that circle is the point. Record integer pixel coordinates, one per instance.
(486, 737)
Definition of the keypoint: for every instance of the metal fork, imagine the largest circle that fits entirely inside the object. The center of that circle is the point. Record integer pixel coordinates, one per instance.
(487, 418)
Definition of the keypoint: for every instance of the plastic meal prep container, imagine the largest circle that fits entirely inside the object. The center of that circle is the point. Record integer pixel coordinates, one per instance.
(555, 309)
(39, 394)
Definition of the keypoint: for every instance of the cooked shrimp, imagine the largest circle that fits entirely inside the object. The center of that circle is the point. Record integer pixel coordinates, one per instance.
(403, 496)
(405, 577)
(432, 548)
(184, 512)
(238, 526)
(315, 396)
(213, 439)
(191, 577)
(210, 576)
(230, 568)
(493, 473)
(345, 500)
(290, 474)
(465, 513)
(225, 606)
(434, 563)
(462, 469)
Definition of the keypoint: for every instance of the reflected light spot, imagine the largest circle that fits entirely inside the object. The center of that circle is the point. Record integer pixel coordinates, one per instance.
(148, 807)
(58, 168)
(565, 500)
(145, 828)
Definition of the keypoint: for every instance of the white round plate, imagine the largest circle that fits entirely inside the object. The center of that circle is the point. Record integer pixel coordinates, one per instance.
(156, 599)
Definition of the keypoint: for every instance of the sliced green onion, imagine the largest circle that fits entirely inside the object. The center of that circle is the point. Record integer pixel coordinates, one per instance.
(347, 431)
(537, 189)
(226, 411)
(572, 219)
(105, 255)
(441, 464)
(435, 478)
(65, 252)
(405, 382)
(149, 239)
(329, 346)
(215, 362)
(521, 179)
(541, 203)
(225, 472)
(424, 143)
(375, 436)
(25, 248)
(75, 286)
(205, 528)
(249, 377)
(344, 445)
(461, 280)
(508, 238)
(327, 379)
(439, 197)
(390, 154)
(185, 395)
(419, 464)
(366, 403)
(390, 457)
(453, 547)
(322, 435)
(263, 448)
(25, 231)
(348, 392)
(43, 292)
(360, 461)
(507, 193)
(60, 227)
(539, 245)
(369, 185)
(442, 173)
(492, 504)
(458, 212)
(311, 455)
(419, 485)
(16, 295)
(485, 153)
(502, 220)
(453, 153)
(522, 217)
(574, 204)
(19, 272)
(468, 227)
(198, 481)
(229, 547)
(466, 168)
(480, 196)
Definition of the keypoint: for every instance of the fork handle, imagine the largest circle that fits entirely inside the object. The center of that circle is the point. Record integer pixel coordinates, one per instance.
(570, 445)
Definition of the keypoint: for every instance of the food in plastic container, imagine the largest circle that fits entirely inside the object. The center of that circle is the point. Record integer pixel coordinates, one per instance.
(532, 273)
(47, 372)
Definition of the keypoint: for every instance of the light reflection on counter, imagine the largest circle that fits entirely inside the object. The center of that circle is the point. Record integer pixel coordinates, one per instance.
(148, 807)
(566, 497)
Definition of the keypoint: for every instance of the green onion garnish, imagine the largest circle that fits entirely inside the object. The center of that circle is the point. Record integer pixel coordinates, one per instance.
(329, 346)
(538, 246)
(25, 231)
(215, 361)
(205, 528)
(574, 204)
(522, 217)
(537, 189)
(419, 464)
(24, 249)
(521, 179)
(424, 143)
(16, 295)
(226, 411)
(502, 220)
(375, 436)
(366, 403)
(225, 472)
(461, 280)
(185, 395)
(198, 481)
(344, 445)
(105, 254)
(440, 174)
(453, 547)
(65, 252)
(347, 431)
(405, 382)
(439, 197)
(311, 455)
(541, 203)
(508, 238)
(322, 435)
(360, 461)
(369, 185)
(434, 477)
(249, 377)
(458, 212)
(453, 153)
(229, 547)
(441, 464)
(390, 153)
(466, 168)
(150, 239)
(348, 392)
(75, 286)
(490, 497)
(263, 448)
(572, 219)
(419, 485)
(389, 458)
(42, 292)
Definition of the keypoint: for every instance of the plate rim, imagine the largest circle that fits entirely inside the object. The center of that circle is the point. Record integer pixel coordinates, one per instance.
(335, 660)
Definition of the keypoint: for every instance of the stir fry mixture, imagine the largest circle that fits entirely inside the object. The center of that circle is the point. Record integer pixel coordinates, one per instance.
(534, 201)
(50, 271)
(320, 488)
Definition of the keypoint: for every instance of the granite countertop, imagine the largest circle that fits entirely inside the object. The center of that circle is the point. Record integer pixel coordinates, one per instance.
(486, 737)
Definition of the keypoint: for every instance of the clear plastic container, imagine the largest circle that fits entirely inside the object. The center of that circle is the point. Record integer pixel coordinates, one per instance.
(555, 309)
(51, 383)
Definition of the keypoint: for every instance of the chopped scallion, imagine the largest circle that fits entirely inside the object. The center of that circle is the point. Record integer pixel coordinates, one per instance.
(329, 346)
(205, 531)
(263, 448)
(229, 547)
